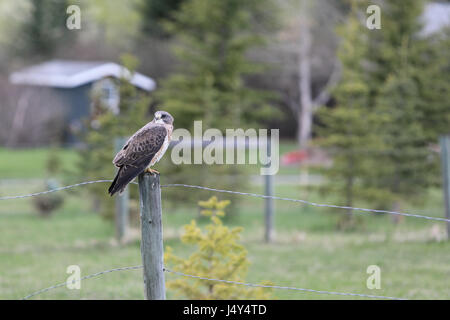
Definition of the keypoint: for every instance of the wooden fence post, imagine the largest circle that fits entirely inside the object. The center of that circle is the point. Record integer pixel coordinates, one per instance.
(122, 202)
(152, 250)
(269, 206)
(445, 157)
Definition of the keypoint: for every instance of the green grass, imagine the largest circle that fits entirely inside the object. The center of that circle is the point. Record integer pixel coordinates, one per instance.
(32, 163)
(308, 251)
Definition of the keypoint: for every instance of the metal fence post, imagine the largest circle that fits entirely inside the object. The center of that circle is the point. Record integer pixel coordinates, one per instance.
(152, 250)
(445, 157)
(122, 201)
(269, 206)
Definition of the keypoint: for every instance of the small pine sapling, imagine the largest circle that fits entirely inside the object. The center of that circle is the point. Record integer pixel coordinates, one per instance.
(219, 255)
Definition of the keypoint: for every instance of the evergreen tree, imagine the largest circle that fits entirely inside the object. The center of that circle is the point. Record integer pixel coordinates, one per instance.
(401, 108)
(348, 128)
(213, 37)
(400, 25)
(434, 85)
(400, 32)
(45, 29)
(219, 255)
(405, 90)
(406, 170)
(154, 12)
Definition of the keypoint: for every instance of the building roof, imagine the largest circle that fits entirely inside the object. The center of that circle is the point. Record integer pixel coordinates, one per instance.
(436, 16)
(71, 74)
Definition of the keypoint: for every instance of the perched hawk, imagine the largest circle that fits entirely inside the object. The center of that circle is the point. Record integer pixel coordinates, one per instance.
(142, 151)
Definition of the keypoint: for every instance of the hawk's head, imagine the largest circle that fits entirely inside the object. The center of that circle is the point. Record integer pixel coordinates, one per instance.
(163, 117)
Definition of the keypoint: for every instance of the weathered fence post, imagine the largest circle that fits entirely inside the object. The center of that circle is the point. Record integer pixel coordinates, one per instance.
(122, 201)
(445, 157)
(269, 208)
(152, 236)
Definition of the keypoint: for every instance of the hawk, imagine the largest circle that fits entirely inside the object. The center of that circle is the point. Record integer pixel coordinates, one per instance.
(145, 148)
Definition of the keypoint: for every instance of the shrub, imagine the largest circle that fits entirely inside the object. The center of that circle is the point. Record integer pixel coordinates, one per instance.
(47, 203)
(219, 255)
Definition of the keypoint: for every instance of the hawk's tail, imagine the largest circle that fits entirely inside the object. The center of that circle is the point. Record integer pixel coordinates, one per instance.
(124, 176)
(113, 187)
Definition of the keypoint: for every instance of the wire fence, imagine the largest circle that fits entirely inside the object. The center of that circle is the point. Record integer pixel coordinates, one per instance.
(212, 279)
(75, 281)
(359, 210)
(320, 205)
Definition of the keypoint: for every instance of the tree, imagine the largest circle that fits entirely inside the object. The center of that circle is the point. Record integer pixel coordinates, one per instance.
(45, 30)
(434, 85)
(407, 170)
(213, 37)
(405, 90)
(219, 255)
(211, 40)
(307, 35)
(154, 12)
(400, 26)
(115, 21)
(347, 126)
(397, 117)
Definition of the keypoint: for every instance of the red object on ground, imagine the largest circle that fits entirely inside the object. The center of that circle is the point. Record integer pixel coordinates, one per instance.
(294, 157)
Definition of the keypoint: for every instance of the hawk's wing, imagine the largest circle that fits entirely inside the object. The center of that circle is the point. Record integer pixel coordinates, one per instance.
(136, 155)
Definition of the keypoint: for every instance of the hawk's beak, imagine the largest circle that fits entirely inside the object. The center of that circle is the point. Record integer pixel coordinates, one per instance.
(158, 119)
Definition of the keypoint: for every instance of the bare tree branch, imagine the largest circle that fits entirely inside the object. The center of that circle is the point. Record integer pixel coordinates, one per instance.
(324, 96)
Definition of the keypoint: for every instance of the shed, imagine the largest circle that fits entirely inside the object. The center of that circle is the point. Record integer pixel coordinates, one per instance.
(71, 82)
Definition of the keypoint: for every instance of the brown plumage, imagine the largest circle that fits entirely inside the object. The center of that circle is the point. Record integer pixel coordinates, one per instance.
(142, 150)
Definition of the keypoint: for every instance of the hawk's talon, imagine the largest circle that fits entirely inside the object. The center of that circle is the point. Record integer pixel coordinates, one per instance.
(151, 171)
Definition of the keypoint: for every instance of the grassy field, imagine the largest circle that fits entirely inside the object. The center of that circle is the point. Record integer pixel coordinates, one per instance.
(32, 163)
(308, 251)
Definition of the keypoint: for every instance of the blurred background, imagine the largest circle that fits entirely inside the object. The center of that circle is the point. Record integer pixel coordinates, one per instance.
(362, 105)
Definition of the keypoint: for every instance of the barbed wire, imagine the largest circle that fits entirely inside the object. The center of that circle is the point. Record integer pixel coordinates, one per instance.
(216, 280)
(52, 190)
(284, 287)
(79, 280)
(321, 205)
(363, 210)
